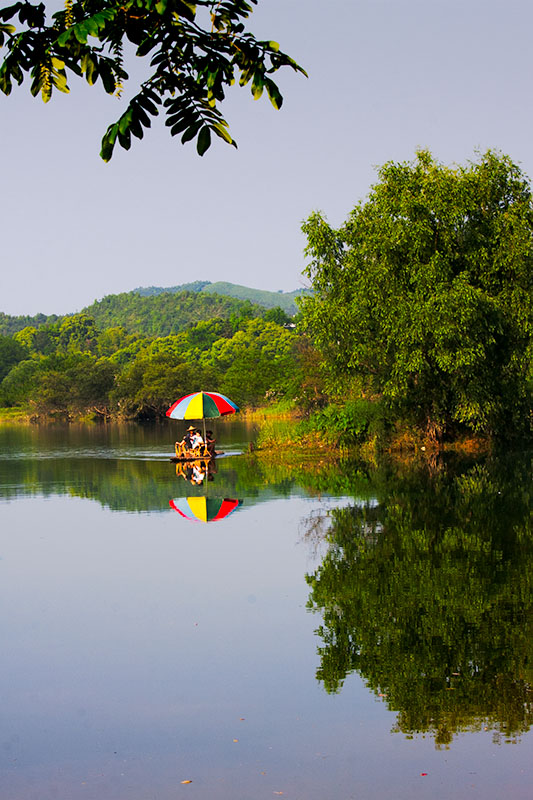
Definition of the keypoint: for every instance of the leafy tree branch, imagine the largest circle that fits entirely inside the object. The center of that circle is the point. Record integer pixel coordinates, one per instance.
(196, 51)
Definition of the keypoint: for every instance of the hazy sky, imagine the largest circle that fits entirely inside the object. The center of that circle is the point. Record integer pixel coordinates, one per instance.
(385, 77)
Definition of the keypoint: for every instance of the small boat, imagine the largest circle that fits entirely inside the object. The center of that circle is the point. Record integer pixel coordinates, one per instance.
(195, 457)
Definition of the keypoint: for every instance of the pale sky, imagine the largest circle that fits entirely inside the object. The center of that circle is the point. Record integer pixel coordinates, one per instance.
(385, 78)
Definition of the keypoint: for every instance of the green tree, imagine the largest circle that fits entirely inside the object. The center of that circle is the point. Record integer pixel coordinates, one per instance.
(11, 352)
(53, 392)
(115, 339)
(61, 383)
(77, 333)
(309, 385)
(277, 315)
(203, 335)
(428, 595)
(151, 383)
(19, 383)
(41, 340)
(256, 364)
(26, 337)
(91, 381)
(195, 52)
(425, 293)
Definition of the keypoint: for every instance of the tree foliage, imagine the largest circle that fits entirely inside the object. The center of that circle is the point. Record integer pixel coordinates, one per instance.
(425, 293)
(164, 314)
(11, 352)
(10, 324)
(195, 51)
(72, 367)
(428, 595)
(152, 315)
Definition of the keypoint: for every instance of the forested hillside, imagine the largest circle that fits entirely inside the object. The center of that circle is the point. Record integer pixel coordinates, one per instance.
(159, 312)
(156, 314)
(164, 314)
(75, 367)
(11, 324)
(149, 291)
(130, 356)
(284, 300)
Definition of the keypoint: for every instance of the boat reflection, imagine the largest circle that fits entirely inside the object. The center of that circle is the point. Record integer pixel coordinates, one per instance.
(196, 472)
(204, 509)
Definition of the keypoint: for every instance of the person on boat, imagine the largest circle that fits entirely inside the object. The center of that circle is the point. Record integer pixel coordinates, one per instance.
(210, 442)
(188, 439)
(186, 443)
(196, 439)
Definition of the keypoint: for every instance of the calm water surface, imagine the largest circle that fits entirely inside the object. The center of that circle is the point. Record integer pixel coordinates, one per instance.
(338, 631)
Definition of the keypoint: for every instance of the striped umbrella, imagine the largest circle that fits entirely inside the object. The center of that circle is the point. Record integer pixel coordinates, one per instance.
(204, 509)
(202, 405)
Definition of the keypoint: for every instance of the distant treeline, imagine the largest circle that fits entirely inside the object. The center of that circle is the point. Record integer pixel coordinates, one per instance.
(12, 324)
(158, 311)
(153, 315)
(79, 365)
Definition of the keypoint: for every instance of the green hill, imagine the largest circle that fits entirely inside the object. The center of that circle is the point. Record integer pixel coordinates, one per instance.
(153, 315)
(284, 300)
(151, 291)
(166, 313)
(159, 311)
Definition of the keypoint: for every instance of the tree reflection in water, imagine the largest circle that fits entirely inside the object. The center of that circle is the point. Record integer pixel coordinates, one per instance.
(428, 595)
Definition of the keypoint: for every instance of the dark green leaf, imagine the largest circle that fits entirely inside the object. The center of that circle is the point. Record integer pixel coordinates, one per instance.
(107, 76)
(274, 94)
(148, 104)
(108, 142)
(191, 132)
(124, 139)
(204, 140)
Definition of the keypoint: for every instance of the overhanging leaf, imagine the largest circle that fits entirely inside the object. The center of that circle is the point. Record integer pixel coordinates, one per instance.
(204, 140)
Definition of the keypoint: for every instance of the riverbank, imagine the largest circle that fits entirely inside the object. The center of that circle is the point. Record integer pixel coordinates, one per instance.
(293, 435)
(14, 415)
(26, 417)
(285, 434)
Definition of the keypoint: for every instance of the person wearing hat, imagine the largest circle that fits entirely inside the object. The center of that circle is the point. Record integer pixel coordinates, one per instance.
(186, 443)
(188, 439)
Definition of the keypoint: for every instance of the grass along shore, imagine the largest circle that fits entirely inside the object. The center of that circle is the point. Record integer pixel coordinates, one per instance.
(285, 433)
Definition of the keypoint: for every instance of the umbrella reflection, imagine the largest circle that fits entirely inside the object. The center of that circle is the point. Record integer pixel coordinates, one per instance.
(204, 509)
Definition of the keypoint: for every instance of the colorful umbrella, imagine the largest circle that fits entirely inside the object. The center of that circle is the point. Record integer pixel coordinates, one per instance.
(204, 509)
(200, 405)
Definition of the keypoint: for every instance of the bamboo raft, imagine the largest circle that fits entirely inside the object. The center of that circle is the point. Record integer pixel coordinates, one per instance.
(192, 455)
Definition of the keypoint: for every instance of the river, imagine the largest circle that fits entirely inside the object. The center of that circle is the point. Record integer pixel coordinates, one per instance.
(319, 631)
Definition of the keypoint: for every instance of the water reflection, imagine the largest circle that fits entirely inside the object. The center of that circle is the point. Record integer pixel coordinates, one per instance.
(204, 509)
(174, 646)
(425, 580)
(196, 472)
(428, 595)
(128, 468)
